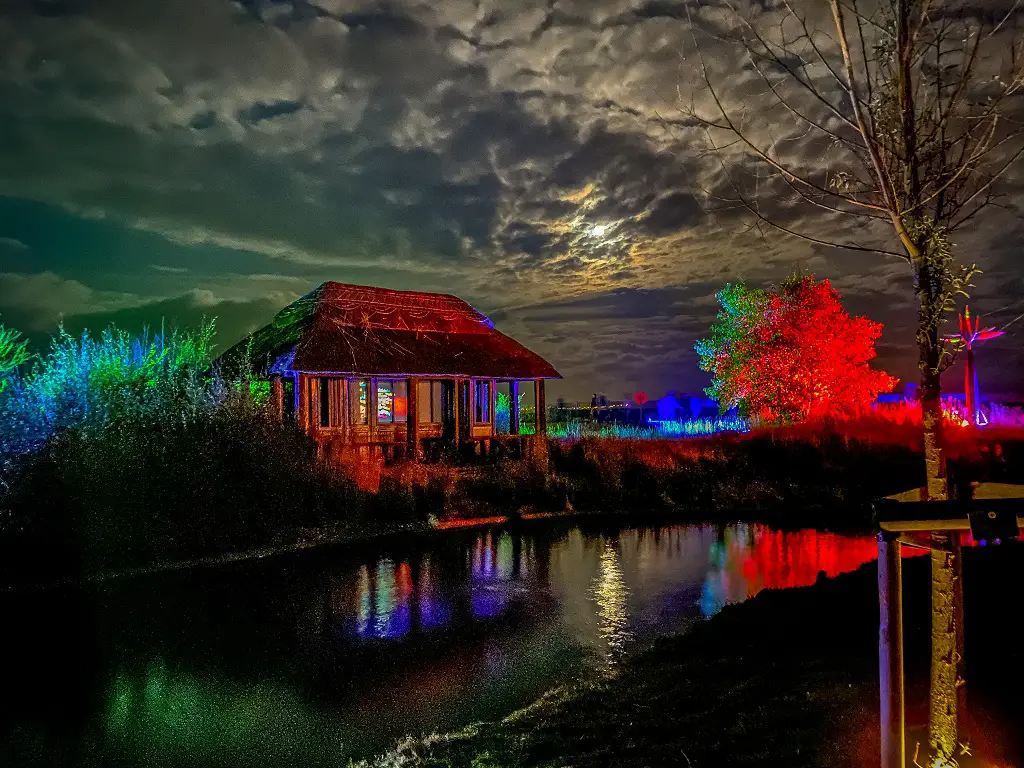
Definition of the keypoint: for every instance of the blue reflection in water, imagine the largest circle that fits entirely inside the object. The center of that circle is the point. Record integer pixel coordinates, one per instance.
(388, 603)
(435, 610)
(491, 572)
(714, 592)
(712, 597)
(382, 601)
(385, 601)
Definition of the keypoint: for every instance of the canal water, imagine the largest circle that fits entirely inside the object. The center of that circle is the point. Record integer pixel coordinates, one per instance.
(314, 659)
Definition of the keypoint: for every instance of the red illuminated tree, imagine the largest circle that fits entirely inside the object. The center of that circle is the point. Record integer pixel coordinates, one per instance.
(793, 354)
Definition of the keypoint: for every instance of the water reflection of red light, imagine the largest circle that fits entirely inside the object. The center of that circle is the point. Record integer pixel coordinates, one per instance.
(403, 582)
(748, 559)
(779, 560)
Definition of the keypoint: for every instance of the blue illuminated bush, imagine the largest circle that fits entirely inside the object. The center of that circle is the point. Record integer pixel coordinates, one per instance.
(503, 413)
(128, 449)
(94, 384)
(655, 430)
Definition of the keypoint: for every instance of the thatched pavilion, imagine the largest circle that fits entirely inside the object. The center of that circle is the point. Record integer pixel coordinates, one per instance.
(395, 371)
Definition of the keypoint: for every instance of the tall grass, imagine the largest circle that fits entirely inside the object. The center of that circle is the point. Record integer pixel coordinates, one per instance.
(126, 449)
(13, 354)
(92, 384)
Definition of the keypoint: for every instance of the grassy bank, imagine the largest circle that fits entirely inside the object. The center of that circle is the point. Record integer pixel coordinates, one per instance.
(826, 476)
(142, 494)
(788, 678)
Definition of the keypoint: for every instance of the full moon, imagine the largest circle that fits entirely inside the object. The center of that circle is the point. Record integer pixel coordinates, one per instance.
(598, 230)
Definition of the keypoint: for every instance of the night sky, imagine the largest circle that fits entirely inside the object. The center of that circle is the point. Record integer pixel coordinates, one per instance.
(209, 158)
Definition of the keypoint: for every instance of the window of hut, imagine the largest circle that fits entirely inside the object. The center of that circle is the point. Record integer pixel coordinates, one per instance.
(392, 401)
(429, 402)
(358, 407)
(482, 401)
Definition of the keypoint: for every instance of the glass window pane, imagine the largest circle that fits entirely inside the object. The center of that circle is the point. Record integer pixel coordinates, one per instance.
(401, 394)
(423, 392)
(482, 401)
(436, 387)
(357, 391)
(385, 401)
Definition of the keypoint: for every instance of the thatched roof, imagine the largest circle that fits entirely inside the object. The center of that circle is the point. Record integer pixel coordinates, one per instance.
(359, 330)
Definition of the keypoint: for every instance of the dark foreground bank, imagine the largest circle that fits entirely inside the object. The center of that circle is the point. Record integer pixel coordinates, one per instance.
(789, 678)
(147, 496)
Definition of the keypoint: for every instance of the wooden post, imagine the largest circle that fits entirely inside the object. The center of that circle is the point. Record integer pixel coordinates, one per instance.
(539, 441)
(541, 407)
(277, 397)
(457, 415)
(943, 696)
(413, 417)
(346, 405)
(302, 401)
(890, 651)
(963, 492)
(958, 618)
(513, 408)
(371, 413)
(493, 407)
(313, 398)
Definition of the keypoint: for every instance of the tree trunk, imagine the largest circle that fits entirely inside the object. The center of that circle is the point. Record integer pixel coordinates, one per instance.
(942, 714)
(931, 416)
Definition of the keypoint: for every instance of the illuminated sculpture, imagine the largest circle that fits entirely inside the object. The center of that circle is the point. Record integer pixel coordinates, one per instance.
(970, 335)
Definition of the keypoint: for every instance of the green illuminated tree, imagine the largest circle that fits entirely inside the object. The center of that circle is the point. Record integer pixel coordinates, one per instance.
(791, 354)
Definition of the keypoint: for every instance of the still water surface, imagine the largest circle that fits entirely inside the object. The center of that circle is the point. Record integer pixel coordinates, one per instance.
(313, 659)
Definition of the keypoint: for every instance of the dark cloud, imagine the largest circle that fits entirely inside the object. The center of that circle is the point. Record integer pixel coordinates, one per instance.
(260, 111)
(201, 157)
(233, 319)
(671, 213)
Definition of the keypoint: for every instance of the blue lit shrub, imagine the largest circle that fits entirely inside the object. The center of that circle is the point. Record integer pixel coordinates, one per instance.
(654, 430)
(122, 450)
(503, 413)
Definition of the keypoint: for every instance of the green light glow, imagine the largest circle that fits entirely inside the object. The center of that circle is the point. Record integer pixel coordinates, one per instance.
(186, 720)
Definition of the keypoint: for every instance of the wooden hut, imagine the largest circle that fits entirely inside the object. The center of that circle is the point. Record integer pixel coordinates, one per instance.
(393, 371)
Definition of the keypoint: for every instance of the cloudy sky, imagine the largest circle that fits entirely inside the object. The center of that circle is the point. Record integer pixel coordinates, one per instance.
(219, 158)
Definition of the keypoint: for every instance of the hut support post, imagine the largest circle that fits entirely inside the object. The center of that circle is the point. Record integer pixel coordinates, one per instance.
(346, 409)
(457, 414)
(277, 397)
(958, 618)
(541, 407)
(371, 415)
(413, 416)
(890, 651)
(513, 407)
(540, 438)
(302, 401)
